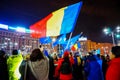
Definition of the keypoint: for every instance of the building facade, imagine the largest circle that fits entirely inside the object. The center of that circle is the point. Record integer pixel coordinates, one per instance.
(88, 46)
(10, 40)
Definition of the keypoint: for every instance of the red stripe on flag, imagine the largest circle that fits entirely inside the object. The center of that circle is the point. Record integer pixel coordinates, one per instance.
(40, 27)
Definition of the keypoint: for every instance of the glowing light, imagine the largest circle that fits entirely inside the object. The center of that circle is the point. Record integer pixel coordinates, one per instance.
(107, 30)
(83, 39)
(28, 31)
(20, 29)
(118, 29)
(53, 39)
(118, 35)
(16, 44)
(13, 28)
(3, 26)
(5, 43)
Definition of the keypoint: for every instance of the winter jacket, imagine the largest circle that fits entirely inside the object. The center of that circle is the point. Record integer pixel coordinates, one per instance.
(77, 69)
(38, 70)
(92, 69)
(3, 68)
(59, 74)
(13, 63)
(113, 71)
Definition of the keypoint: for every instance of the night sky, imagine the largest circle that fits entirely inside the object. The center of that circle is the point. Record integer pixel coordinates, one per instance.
(94, 15)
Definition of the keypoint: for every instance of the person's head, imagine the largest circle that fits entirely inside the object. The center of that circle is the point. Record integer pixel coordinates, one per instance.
(55, 56)
(115, 52)
(27, 57)
(71, 54)
(66, 54)
(2, 53)
(36, 55)
(90, 53)
(41, 48)
(15, 52)
(76, 54)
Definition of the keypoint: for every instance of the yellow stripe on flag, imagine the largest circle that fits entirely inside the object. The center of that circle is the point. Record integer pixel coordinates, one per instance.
(76, 46)
(54, 23)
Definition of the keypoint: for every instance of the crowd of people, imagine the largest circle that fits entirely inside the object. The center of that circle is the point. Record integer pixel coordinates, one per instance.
(40, 64)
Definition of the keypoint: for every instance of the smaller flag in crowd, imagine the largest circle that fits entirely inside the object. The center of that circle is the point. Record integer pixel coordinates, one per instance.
(45, 40)
(75, 46)
(70, 43)
(60, 40)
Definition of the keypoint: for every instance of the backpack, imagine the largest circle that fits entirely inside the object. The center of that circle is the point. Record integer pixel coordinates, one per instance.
(66, 67)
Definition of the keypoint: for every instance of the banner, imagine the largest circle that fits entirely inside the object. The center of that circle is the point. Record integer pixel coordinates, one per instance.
(58, 22)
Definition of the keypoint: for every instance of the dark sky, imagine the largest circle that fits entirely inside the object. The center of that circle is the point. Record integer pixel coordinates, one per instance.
(93, 17)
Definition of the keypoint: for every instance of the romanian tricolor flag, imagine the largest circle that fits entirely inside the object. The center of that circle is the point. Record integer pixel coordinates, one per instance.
(58, 22)
(75, 46)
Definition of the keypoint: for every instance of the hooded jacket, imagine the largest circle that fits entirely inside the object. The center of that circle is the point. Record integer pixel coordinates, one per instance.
(41, 69)
(113, 71)
(13, 63)
(59, 74)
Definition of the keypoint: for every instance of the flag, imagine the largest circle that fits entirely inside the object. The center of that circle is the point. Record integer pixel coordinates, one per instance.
(45, 40)
(98, 51)
(75, 46)
(78, 45)
(60, 40)
(58, 22)
(71, 42)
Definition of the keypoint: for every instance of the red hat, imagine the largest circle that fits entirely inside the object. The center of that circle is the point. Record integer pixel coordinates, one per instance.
(66, 54)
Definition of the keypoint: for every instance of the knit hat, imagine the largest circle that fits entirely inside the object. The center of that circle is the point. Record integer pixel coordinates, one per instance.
(66, 54)
(77, 54)
(2, 53)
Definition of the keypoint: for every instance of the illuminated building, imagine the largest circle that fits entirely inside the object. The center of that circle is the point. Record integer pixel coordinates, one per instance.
(10, 40)
(88, 46)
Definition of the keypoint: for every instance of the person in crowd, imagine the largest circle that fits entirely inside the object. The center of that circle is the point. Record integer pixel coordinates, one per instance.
(104, 66)
(71, 57)
(113, 71)
(3, 66)
(13, 63)
(41, 48)
(51, 65)
(55, 57)
(37, 66)
(23, 67)
(64, 68)
(77, 67)
(92, 68)
(107, 57)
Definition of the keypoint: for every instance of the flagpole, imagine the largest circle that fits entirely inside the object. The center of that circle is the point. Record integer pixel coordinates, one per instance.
(69, 39)
(59, 48)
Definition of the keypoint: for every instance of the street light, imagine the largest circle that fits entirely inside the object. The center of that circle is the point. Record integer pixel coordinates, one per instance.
(108, 31)
(114, 33)
(118, 32)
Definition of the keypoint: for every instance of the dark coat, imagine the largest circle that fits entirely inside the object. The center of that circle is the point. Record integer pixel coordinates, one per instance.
(29, 74)
(3, 69)
(51, 68)
(77, 69)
